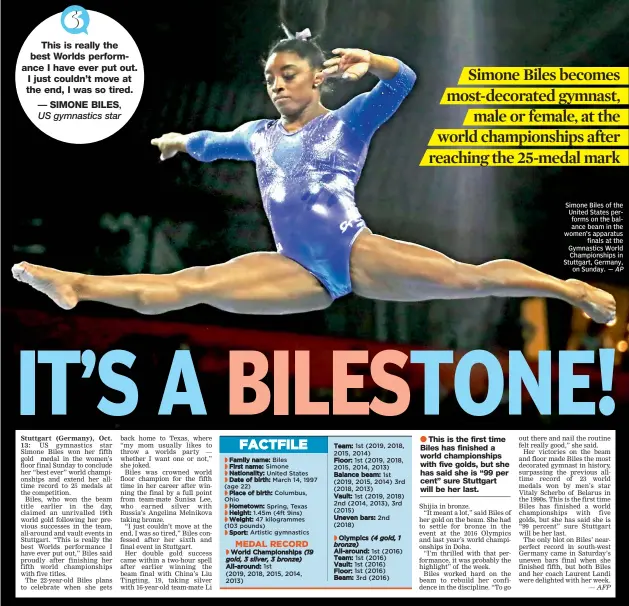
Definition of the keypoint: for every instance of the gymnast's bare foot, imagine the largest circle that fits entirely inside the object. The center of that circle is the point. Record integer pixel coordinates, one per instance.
(596, 303)
(58, 285)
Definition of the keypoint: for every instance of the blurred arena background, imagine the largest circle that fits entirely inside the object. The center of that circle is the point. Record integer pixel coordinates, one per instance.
(112, 207)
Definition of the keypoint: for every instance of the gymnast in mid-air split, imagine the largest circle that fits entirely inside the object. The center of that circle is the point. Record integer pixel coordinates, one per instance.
(308, 162)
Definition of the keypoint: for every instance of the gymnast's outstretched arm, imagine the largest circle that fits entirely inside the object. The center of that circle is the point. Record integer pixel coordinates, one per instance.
(208, 146)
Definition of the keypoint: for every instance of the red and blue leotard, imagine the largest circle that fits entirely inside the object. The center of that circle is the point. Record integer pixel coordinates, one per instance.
(307, 178)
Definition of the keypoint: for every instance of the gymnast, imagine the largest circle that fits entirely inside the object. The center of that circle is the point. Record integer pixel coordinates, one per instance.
(308, 162)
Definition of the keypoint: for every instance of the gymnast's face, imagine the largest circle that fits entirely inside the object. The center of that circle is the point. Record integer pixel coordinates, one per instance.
(291, 82)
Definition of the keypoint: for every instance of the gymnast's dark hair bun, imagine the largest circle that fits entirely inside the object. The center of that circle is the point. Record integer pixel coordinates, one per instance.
(297, 15)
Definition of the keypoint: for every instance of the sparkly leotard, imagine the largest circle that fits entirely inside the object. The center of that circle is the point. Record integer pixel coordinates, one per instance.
(307, 178)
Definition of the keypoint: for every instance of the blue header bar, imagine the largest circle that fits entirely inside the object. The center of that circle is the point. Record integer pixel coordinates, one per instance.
(267, 444)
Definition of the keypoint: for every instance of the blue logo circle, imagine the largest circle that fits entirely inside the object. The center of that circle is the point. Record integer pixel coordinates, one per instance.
(75, 20)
